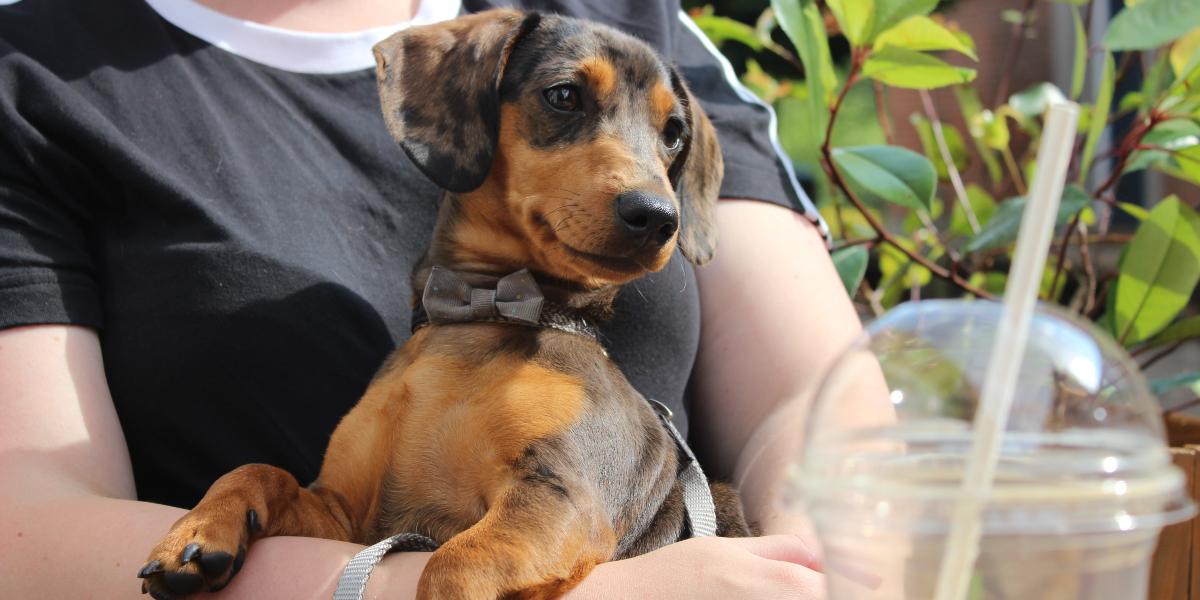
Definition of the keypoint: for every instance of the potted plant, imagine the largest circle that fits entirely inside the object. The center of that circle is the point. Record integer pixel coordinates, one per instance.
(939, 219)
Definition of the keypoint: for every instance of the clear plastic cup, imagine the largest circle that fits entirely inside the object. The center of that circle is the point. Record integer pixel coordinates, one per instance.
(1084, 484)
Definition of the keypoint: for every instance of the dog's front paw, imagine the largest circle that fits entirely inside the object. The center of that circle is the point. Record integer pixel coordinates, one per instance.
(201, 553)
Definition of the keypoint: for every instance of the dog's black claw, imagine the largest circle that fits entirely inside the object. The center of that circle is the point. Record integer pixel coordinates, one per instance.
(157, 595)
(183, 583)
(189, 552)
(215, 563)
(216, 587)
(145, 587)
(252, 521)
(152, 567)
(237, 562)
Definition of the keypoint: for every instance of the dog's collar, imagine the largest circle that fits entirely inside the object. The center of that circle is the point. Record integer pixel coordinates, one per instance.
(515, 298)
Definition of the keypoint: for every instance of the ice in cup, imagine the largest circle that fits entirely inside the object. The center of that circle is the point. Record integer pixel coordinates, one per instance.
(1084, 485)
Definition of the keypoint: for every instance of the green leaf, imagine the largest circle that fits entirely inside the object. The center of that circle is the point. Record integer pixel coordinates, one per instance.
(1002, 228)
(761, 83)
(1159, 271)
(992, 281)
(995, 131)
(914, 225)
(1168, 137)
(1012, 16)
(1134, 210)
(1158, 387)
(977, 120)
(856, 224)
(1031, 102)
(1099, 118)
(888, 173)
(724, 29)
(1079, 68)
(1179, 331)
(1049, 279)
(851, 265)
(1185, 165)
(855, 18)
(1156, 81)
(954, 143)
(890, 12)
(1130, 101)
(1185, 54)
(899, 272)
(1151, 23)
(802, 22)
(923, 33)
(801, 127)
(981, 202)
(905, 68)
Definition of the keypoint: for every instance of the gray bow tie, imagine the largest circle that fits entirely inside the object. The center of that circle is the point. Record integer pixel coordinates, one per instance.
(449, 299)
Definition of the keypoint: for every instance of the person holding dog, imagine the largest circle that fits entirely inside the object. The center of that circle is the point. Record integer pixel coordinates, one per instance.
(205, 236)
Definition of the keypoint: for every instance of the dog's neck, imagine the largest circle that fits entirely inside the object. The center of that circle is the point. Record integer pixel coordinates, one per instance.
(505, 251)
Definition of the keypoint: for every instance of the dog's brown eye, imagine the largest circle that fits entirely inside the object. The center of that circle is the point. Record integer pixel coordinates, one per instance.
(673, 134)
(563, 97)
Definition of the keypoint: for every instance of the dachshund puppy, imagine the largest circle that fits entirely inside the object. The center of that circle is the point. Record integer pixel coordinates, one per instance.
(574, 160)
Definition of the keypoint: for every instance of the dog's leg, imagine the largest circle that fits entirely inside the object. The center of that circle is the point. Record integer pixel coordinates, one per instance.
(205, 548)
(731, 521)
(537, 542)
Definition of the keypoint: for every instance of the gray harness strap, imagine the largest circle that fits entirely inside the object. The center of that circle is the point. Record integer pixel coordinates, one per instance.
(697, 497)
(354, 577)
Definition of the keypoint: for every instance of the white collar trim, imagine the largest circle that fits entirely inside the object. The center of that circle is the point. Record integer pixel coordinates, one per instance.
(297, 51)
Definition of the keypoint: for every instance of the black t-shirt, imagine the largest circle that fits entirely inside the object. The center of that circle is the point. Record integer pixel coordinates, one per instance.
(241, 234)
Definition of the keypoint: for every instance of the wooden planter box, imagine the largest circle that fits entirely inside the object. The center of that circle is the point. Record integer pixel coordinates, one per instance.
(1175, 574)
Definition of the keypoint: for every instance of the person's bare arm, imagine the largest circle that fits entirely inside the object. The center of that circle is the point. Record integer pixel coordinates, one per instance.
(774, 314)
(69, 524)
(71, 528)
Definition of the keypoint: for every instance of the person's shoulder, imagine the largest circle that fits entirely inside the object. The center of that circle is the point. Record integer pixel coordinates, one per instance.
(69, 37)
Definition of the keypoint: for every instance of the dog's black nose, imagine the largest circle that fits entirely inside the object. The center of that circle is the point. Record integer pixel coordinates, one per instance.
(643, 216)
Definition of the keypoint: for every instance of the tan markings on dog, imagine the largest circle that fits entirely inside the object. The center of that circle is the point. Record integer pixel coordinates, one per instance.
(519, 552)
(600, 75)
(526, 210)
(662, 100)
(468, 423)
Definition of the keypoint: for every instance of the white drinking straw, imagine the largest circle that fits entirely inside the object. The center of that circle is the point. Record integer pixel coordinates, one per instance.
(1008, 349)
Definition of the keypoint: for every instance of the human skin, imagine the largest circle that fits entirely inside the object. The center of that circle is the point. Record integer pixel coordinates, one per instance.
(70, 524)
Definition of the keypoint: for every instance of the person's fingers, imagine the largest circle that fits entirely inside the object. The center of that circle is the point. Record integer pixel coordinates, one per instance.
(796, 582)
(786, 548)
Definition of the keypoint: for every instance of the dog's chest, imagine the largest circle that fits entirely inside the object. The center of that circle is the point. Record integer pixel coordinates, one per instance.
(472, 430)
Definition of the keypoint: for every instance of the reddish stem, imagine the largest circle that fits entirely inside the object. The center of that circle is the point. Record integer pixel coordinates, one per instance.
(858, 56)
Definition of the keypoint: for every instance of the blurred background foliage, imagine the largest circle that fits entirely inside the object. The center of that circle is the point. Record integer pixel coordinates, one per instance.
(922, 175)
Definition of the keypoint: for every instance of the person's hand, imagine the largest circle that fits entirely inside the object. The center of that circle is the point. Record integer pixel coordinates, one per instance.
(776, 567)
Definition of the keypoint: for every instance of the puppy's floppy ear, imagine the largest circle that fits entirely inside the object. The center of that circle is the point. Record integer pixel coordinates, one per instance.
(439, 86)
(696, 175)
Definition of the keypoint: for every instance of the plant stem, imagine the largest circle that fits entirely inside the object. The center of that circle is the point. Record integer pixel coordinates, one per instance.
(1089, 272)
(960, 190)
(864, 288)
(881, 113)
(1184, 406)
(1062, 251)
(1161, 355)
(1131, 142)
(858, 56)
(1014, 171)
(1110, 238)
(1014, 49)
(868, 242)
